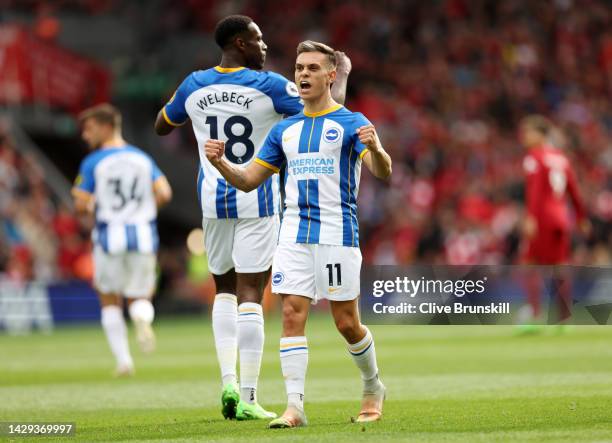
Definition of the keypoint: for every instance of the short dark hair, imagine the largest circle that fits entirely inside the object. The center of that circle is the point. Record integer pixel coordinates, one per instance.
(312, 46)
(539, 123)
(103, 113)
(230, 27)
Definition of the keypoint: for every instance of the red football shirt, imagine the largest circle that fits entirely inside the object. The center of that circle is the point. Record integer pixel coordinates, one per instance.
(550, 180)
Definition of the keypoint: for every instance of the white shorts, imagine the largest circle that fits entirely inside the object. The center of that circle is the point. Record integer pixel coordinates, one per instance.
(317, 271)
(131, 274)
(246, 244)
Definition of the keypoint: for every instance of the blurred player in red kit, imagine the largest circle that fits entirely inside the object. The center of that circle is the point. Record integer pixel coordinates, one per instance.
(547, 229)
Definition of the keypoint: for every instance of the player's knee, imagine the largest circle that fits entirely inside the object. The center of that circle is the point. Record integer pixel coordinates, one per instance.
(225, 283)
(253, 296)
(293, 320)
(109, 299)
(293, 326)
(348, 326)
(249, 291)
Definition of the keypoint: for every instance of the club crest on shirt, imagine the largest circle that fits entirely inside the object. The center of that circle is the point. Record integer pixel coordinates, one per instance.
(331, 135)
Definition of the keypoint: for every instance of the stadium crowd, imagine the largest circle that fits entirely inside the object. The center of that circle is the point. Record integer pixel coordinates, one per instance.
(446, 83)
(29, 250)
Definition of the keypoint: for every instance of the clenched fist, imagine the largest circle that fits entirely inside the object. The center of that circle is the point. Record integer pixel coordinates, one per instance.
(343, 63)
(214, 150)
(368, 136)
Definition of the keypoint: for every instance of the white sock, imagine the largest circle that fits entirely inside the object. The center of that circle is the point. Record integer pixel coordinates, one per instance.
(294, 361)
(224, 318)
(250, 346)
(142, 310)
(364, 356)
(113, 324)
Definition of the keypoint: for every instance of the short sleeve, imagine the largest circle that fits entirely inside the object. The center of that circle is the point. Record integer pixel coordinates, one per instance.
(174, 111)
(284, 95)
(155, 171)
(86, 181)
(271, 154)
(359, 121)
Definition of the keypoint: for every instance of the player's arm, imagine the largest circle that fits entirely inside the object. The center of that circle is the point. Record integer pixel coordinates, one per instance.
(375, 157)
(173, 113)
(581, 216)
(84, 188)
(533, 193)
(84, 202)
(343, 69)
(84, 207)
(162, 127)
(162, 191)
(245, 179)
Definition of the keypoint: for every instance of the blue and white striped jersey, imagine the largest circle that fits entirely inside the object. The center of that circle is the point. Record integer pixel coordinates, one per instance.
(238, 106)
(121, 181)
(322, 154)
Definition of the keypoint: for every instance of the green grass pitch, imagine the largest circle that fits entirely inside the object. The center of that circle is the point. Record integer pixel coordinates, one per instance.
(473, 384)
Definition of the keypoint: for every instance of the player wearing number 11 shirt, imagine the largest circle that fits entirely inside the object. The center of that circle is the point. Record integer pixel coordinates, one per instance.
(237, 103)
(322, 149)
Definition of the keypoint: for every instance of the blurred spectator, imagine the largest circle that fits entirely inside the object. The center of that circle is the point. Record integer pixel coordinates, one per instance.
(30, 249)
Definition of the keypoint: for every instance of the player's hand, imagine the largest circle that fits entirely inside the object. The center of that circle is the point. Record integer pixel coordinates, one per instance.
(368, 136)
(214, 150)
(530, 227)
(343, 63)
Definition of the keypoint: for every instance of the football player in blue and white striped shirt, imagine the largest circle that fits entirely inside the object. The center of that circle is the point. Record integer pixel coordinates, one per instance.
(318, 256)
(238, 103)
(123, 187)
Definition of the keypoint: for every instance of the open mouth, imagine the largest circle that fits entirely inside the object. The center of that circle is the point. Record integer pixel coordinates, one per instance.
(304, 85)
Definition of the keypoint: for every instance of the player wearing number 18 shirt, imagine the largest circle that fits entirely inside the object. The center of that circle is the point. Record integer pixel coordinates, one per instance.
(239, 104)
(122, 186)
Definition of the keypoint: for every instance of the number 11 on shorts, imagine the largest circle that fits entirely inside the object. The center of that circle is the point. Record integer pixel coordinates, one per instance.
(330, 269)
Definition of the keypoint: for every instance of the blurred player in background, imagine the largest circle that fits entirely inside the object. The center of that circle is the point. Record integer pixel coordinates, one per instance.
(550, 180)
(318, 253)
(123, 187)
(237, 103)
